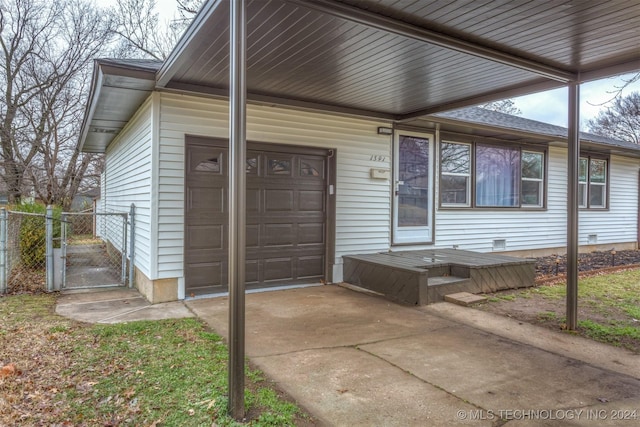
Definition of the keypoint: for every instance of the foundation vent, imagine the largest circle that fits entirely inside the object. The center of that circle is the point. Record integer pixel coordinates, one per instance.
(592, 239)
(499, 244)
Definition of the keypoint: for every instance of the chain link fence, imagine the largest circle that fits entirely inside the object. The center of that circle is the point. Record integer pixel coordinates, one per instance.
(25, 251)
(47, 252)
(94, 249)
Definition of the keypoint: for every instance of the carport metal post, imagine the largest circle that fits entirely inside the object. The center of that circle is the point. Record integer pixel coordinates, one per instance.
(237, 194)
(573, 142)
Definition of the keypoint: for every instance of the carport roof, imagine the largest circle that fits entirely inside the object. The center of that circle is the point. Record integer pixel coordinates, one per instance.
(395, 60)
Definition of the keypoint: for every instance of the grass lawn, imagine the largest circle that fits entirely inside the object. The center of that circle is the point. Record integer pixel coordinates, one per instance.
(608, 307)
(55, 371)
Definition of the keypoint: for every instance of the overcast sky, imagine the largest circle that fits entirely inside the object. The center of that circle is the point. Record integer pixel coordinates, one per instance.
(551, 106)
(548, 107)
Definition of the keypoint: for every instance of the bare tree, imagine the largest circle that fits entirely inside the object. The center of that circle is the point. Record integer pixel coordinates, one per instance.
(621, 120)
(506, 106)
(619, 88)
(46, 52)
(141, 34)
(47, 48)
(189, 8)
(61, 171)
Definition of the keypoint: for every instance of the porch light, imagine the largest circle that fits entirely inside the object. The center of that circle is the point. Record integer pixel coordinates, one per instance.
(385, 131)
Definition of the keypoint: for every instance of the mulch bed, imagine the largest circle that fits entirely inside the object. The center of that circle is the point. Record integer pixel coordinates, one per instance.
(556, 265)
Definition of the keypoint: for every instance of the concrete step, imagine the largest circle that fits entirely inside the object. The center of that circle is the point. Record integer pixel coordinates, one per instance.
(464, 299)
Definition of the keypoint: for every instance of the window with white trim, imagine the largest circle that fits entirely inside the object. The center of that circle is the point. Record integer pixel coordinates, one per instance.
(455, 178)
(491, 176)
(532, 194)
(592, 183)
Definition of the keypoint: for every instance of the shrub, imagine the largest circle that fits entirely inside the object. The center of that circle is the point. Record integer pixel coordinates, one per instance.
(33, 233)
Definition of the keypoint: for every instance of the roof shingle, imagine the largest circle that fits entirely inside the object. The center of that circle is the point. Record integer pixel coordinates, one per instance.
(510, 122)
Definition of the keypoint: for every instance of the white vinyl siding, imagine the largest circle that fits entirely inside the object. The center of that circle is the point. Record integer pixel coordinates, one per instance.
(476, 229)
(127, 180)
(539, 229)
(363, 204)
(618, 223)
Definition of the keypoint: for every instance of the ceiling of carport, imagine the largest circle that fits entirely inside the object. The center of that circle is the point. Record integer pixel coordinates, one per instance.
(408, 58)
(393, 59)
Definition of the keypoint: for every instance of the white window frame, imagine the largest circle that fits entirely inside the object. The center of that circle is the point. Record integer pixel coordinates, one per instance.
(599, 184)
(582, 204)
(467, 175)
(585, 203)
(540, 180)
(471, 196)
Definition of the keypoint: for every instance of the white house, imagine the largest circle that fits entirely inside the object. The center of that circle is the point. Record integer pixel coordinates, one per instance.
(330, 177)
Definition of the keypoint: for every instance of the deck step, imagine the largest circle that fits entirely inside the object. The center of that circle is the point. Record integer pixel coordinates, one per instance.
(438, 287)
(446, 280)
(423, 277)
(438, 271)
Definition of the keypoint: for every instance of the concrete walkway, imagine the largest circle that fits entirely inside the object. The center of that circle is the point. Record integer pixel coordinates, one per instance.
(115, 305)
(353, 359)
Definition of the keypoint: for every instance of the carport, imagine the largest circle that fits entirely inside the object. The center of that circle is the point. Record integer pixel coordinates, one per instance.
(397, 61)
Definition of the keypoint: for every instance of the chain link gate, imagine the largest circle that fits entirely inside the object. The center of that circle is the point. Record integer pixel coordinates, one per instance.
(94, 249)
(73, 250)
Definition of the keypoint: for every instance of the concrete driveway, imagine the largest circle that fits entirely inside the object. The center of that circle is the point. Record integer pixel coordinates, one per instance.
(354, 359)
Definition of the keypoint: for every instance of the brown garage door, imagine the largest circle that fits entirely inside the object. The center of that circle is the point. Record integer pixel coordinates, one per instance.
(286, 215)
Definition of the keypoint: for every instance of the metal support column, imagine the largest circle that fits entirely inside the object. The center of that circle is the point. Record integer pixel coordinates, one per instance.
(132, 247)
(3, 250)
(237, 198)
(573, 163)
(49, 248)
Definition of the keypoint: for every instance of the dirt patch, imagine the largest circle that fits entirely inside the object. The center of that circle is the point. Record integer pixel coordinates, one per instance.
(600, 317)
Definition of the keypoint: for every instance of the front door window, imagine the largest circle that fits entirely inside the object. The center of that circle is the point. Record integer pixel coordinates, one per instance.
(413, 188)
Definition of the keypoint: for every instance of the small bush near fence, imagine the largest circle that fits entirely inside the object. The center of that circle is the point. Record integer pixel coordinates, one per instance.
(25, 268)
(33, 234)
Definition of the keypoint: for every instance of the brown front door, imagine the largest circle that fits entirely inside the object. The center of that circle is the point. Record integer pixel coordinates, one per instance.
(286, 216)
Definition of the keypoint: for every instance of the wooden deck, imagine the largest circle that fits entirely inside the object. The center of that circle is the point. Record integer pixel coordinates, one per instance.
(426, 276)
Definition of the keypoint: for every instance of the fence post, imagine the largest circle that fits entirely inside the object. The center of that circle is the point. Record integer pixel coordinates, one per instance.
(63, 249)
(3, 250)
(49, 248)
(123, 250)
(132, 246)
